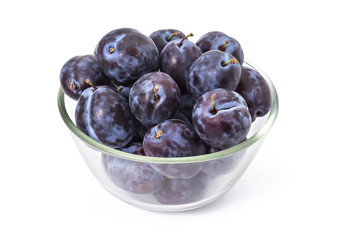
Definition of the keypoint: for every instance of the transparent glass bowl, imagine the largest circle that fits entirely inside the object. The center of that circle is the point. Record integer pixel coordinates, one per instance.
(219, 170)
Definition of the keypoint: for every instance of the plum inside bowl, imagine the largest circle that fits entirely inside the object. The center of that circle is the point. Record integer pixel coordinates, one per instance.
(142, 180)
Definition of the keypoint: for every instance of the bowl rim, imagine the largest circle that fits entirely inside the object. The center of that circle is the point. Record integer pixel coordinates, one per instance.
(272, 115)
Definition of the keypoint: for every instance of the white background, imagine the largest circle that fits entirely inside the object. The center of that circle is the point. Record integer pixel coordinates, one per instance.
(303, 184)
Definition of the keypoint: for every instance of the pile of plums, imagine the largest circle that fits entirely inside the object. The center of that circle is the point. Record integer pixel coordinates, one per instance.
(165, 96)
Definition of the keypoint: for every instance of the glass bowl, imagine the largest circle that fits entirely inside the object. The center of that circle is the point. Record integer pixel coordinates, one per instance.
(216, 173)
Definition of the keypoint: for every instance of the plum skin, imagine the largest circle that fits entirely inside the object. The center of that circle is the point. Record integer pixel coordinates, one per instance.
(256, 92)
(104, 115)
(125, 55)
(160, 37)
(176, 60)
(223, 165)
(176, 139)
(208, 73)
(182, 191)
(143, 103)
(76, 70)
(215, 39)
(134, 148)
(132, 176)
(186, 105)
(225, 127)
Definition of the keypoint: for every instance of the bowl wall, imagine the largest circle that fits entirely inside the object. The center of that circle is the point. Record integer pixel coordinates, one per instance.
(169, 184)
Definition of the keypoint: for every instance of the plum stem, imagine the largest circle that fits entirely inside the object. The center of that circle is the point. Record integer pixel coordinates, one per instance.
(158, 134)
(91, 84)
(181, 42)
(156, 97)
(232, 61)
(111, 49)
(222, 47)
(173, 34)
(73, 86)
(116, 86)
(213, 111)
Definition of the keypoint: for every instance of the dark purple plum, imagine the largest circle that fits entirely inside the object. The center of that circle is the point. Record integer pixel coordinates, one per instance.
(186, 105)
(221, 118)
(184, 170)
(223, 165)
(179, 115)
(154, 98)
(134, 148)
(124, 90)
(75, 72)
(132, 176)
(162, 37)
(182, 191)
(125, 55)
(139, 130)
(256, 92)
(174, 138)
(219, 167)
(104, 115)
(220, 41)
(210, 149)
(213, 69)
(176, 59)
